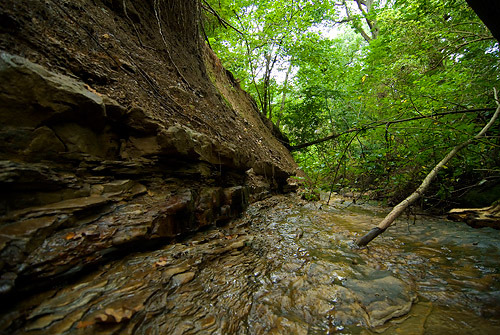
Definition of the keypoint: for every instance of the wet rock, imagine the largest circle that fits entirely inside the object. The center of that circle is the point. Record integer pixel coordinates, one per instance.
(138, 120)
(62, 238)
(91, 173)
(184, 141)
(259, 186)
(177, 216)
(140, 147)
(114, 111)
(22, 176)
(260, 279)
(75, 205)
(235, 201)
(173, 271)
(33, 96)
(207, 205)
(38, 227)
(45, 144)
(77, 168)
(79, 139)
(120, 187)
(120, 168)
(24, 185)
(382, 298)
(7, 282)
(182, 278)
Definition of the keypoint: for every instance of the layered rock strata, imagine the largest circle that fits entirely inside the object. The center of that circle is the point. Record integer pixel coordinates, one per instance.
(108, 146)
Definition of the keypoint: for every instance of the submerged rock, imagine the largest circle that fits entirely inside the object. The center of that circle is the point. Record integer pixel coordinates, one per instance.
(253, 276)
(285, 267)
(382, 298)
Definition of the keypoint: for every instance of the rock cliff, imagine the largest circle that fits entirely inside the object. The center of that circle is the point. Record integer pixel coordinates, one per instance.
(119, 129)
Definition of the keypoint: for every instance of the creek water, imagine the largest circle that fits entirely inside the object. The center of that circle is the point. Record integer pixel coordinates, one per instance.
(287, 267)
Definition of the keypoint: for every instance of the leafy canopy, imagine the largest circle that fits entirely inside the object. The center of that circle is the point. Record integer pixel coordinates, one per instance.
(421, 61)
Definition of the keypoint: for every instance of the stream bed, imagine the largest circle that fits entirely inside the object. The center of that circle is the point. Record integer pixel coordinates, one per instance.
(286, 267)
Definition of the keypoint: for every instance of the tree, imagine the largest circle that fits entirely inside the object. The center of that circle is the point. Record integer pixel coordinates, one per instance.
(367, 14)
(422, 68)
(389, 106)
(269, 27)
(403, 205)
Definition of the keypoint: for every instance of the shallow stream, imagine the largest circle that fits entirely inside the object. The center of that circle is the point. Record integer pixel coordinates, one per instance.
(287, 267)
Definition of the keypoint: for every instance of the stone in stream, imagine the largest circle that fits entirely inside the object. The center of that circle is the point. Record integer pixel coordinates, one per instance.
(182, 278)
(382, 298)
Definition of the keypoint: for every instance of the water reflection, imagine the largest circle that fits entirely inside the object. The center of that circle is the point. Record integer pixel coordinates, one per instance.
(287, 267)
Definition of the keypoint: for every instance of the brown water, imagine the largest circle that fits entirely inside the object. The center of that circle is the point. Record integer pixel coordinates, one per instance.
(287, 267)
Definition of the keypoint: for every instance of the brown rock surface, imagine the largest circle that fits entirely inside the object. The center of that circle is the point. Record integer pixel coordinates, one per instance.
(114, 135)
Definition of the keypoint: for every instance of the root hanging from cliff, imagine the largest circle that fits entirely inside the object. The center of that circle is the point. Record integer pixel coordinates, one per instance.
(157, 9)
(133, 26)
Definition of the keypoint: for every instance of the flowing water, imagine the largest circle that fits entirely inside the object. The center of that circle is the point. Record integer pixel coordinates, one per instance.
(287, 267)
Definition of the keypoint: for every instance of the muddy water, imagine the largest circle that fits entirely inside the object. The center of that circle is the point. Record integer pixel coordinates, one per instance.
(287, 267)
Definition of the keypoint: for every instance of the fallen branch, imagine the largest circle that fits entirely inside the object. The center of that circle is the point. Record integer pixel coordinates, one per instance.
(384, 123)
(398, 209)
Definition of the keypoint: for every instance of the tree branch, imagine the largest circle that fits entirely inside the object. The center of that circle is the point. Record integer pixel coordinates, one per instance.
(384, 123)
(356, 25)
(398, 209)
(206, 6)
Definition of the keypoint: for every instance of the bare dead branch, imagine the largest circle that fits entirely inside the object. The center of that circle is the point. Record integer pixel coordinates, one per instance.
(386, 124)
(403, 205)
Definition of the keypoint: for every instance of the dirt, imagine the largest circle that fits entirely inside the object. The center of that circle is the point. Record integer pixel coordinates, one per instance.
(120, 49)
(120, 105)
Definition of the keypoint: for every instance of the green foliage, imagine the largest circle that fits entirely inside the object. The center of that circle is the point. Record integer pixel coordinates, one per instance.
(269, 28)
(428, 57)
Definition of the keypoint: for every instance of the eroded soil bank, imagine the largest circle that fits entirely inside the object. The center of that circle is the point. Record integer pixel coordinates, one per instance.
(286, 267)
(119, 129)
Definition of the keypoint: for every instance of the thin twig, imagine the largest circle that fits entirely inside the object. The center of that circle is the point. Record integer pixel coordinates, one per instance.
(385, 123)
(403, 205)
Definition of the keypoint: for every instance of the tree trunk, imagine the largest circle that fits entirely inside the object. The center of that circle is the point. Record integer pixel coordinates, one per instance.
(478, 217)
(283, 96)
(372, 24)
(365, 13)
(265, 89)
(398, 209)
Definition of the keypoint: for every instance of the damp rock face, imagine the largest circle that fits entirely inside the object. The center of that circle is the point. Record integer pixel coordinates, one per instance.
(284, 267)
(88, 175)
(70, 205)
